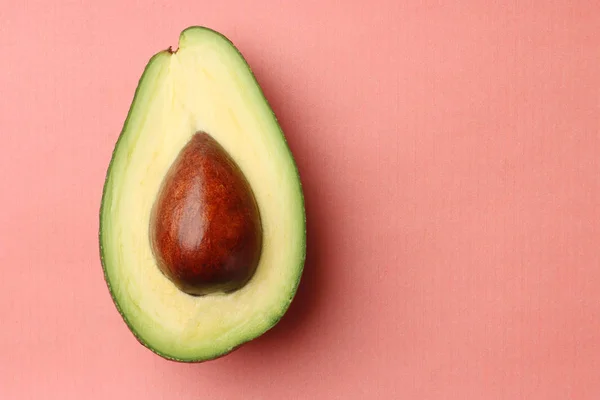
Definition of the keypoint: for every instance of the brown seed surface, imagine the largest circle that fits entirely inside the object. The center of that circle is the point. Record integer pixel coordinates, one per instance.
(205, 227)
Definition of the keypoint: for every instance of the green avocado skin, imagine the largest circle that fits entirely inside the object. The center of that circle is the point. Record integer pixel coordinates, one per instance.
(301, 261)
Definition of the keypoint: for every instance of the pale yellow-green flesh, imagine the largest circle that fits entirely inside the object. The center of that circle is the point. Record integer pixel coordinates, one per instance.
(207, 86)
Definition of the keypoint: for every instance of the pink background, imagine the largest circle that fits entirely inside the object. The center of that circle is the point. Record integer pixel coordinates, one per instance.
(450, 159)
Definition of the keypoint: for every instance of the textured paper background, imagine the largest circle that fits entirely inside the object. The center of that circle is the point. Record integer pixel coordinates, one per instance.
(450, 157)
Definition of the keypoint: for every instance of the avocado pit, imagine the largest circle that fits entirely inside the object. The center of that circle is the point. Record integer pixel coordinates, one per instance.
(205, 228)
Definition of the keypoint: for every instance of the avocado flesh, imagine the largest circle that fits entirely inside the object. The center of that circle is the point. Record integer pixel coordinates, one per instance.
(205, 86)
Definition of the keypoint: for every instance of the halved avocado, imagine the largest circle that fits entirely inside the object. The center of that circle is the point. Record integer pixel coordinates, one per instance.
(205, 86)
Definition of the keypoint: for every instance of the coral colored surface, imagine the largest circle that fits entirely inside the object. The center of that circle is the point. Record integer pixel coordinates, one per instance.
(450, 155)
